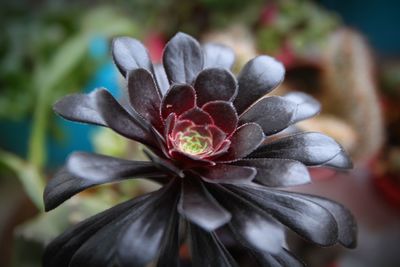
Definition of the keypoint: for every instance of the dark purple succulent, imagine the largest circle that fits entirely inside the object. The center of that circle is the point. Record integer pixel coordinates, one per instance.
(207, 138)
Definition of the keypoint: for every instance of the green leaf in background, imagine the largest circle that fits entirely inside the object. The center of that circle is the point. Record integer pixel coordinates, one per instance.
(29, 176)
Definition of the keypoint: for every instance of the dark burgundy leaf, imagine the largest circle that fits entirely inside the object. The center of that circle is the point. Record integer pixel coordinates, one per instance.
(169, 124)
(183, 59)
(228, 174)
(130, 54)
(278, 172)
(244, 140)
(223, 149)
(258, 77)
(306, 218)
(283, 259)
(218, 136)
(215, 84)
(178, 99)
(99, 168)
(164, 164)
(60, 251)
(266, 259)
(218, 56)
(273, 114)
(80, 108)
(286, 258)
(118, 119)
(161, 77)
(100, 249)
(251, 224)
(64, 185)
(345, 220)
(144, 96)
(223, 114)
(198, 206)
(307, 106)
(99, 107)
(169, 252)
(207, 250)
(140, 242)
(197, 116)
(340, 161)
(188, 161)
(309, 148)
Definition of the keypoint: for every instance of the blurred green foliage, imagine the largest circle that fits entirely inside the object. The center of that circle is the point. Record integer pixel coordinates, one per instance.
(44, 55)
(195, 16)
(30, 177)
(300, 24)
(28, 41)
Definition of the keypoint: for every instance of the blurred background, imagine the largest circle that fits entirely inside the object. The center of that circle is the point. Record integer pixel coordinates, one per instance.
(344, 53)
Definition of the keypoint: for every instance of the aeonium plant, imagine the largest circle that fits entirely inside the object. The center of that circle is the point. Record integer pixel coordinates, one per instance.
(207, 137)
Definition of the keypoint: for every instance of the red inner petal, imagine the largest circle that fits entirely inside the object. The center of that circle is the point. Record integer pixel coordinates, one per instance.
(198, 116)
(218, 136)
(181, 126)
(224, 115)
(223, 148)
(178, 99)
(169, 126)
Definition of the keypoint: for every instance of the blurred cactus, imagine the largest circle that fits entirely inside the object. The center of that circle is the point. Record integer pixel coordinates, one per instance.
(350, 90)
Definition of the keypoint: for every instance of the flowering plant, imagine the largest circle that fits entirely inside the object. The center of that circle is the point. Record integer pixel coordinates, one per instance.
(207, 136)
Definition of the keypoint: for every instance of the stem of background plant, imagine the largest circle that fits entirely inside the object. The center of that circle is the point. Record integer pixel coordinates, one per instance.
(47, 77)
(29, 175)
(37, 153)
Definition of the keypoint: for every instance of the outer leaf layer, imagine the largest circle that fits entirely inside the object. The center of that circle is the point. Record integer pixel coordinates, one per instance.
(229, 174)
(309, 148)
(257, 78)
(60, 251)
(218, 56)
(251, 224)
(118, 119)
(183, 59)
(306, 218)
(161, 77)
(130, 54)
(273, 114)
(345, 220)
(141, 241)
(99, 168)
(215, 84)
(144, 96)
(207, 250)
(198, 206)
(282, 259)
(224, 115)
(178, 99)
(80, 108)
(278, 172)
(65, 185)
(244, 140)
(307, 106)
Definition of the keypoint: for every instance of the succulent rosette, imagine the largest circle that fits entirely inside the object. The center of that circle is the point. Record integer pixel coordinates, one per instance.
(207, 137)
